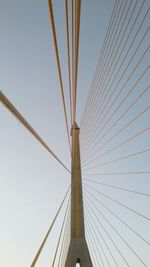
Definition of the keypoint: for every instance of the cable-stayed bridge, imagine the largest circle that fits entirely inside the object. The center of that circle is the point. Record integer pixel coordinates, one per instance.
(105, 216)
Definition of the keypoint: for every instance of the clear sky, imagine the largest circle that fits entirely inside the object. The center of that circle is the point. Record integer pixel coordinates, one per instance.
(32, 183)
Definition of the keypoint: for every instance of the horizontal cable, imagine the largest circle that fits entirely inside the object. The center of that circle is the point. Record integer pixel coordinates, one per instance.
(117, 217)
(116, 173)
(23, 121)
(131, 138)
(119, 203)
(118, 188)
(48, 232)
(125, 242)
(121, 158)
(51, 15)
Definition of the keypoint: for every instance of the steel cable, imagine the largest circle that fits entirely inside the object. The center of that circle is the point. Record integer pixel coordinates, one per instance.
(63, 248)
(119, 203)
(88, 225)
(96, 246)
(119, 68)
(51, 15)
(104, 239)
(116, 173)
(140, 114)
(61, 231)
(118, 218)
(104, 69)
(91, 246)
(124, 47)
(125, 242)
(68, 53)
(118, 188)
(48, 232)
(76, 8)
(131, 138)
(5, 101)
(109, 41)
(122, 115)
(100, 86)
(122, 88)
(86, 109)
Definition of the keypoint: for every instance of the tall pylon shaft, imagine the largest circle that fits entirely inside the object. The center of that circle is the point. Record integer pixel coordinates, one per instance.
(78, 250)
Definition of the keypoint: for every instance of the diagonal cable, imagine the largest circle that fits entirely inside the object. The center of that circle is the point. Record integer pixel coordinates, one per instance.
(61, 231)
(68, 52)
(131, 138)
(122, 88)
(122, 129)
(76, 10)
(119, 203)
(48, 232)
(91, 247)
(94, 242)
(104, 88)
(105, 54)
(50, 8)
(127, 244)
(115, 35)
(116, 216)
(87, 212)
(147, 150)
(63, 247)
(118, 188)
(5, 101)
(91, 92)
(124, 99)
(127, 41)
(117, 173)
(91, 227)
(114, 78)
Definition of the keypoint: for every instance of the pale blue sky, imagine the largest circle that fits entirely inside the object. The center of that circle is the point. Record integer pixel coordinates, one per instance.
(32, 183)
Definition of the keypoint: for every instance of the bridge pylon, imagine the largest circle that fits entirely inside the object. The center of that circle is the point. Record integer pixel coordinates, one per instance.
(78, 250)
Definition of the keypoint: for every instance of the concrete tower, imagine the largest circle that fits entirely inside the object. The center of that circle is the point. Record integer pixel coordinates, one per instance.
(78, 250)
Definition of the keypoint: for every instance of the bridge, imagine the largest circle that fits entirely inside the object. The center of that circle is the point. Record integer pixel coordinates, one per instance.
(101, 216)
